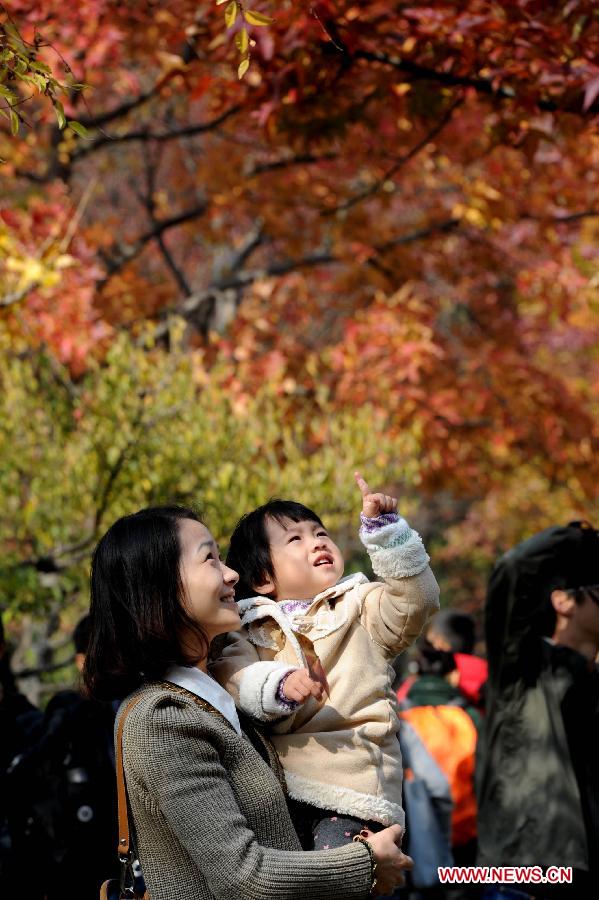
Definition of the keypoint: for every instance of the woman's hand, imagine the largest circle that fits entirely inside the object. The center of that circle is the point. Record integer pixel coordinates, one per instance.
(391, 862)
(374, 504)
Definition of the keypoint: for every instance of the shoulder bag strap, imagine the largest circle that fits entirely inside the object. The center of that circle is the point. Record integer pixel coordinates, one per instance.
(124, 838)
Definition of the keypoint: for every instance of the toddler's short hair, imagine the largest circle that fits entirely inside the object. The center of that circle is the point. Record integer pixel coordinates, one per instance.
(249, 551)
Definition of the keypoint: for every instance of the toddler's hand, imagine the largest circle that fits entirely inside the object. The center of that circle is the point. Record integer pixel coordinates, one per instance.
(298, 686)
(374, 505)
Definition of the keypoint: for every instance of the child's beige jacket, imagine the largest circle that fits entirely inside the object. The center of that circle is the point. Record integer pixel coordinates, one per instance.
(342, 753)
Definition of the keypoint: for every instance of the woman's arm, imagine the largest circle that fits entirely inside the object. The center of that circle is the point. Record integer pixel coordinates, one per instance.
(185, 777)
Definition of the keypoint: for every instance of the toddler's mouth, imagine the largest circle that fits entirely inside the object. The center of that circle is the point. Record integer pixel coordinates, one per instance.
(323, 559)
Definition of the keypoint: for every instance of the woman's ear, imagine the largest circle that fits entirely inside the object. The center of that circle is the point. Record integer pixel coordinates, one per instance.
(562, 603)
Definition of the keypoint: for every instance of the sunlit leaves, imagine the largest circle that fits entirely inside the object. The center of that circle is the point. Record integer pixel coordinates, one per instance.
(242, 41)
(21, 71)
(143, 427)
(231, 11)
(256, 18)
(78, 128)
(347, 253)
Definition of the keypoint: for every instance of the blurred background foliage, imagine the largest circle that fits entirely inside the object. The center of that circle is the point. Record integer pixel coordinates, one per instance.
(377, 249)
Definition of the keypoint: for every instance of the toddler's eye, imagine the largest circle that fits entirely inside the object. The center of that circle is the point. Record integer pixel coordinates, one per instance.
(294, 537)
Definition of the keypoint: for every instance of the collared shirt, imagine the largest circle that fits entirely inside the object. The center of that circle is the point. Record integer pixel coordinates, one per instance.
(202, 685)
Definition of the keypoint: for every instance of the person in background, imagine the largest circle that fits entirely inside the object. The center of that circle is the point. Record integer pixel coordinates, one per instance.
(438, 737)
(538, 772)
(454, 631)
(20, 723)
(64, 810)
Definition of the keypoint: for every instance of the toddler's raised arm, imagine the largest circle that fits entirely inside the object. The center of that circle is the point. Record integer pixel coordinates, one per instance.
(394, 613)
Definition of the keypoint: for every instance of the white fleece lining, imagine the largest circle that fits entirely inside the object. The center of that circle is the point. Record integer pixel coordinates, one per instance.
(251, 689)
(399, 560)
(250, 613)
(344, 800)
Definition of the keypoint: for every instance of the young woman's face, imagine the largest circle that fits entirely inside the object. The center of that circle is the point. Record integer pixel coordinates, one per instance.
(209, 585)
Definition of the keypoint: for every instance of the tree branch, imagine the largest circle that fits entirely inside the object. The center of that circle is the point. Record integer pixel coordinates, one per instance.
(158, 137)
(373, 189)
(125, 254)
(303, 159)
(480, 85)
(119, 111)
(148, 201)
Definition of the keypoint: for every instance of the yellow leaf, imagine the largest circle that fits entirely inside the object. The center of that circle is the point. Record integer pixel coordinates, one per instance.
(242, 40)
(218, 2)
(231, 13)
(256, 18)
(243, 67)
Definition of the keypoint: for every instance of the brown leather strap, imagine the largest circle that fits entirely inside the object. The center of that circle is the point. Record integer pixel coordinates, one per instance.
(121, 790)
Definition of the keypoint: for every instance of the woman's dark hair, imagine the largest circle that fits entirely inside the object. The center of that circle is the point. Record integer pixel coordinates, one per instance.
(249, 549)
(137, 614)
(82, 634)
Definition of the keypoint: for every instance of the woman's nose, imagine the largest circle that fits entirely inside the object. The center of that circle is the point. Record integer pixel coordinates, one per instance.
(230, 576)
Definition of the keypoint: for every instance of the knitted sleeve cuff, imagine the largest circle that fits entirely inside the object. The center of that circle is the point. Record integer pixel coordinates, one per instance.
(369, 525)
(395, 549)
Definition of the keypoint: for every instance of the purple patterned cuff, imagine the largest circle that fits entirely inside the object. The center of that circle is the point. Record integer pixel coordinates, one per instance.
(281, 698)
(370, 525)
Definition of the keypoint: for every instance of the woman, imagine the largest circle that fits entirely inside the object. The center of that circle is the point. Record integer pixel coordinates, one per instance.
(209, 812)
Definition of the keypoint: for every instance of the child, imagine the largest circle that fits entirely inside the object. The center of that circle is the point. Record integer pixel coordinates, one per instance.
(313, 657)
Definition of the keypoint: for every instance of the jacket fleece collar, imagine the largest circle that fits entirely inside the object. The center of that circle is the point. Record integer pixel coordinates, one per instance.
(254, 608)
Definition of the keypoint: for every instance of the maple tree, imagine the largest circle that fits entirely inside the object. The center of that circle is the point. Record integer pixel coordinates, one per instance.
(394, 211)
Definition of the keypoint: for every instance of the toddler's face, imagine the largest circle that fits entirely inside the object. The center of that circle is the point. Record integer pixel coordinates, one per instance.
(305, 559)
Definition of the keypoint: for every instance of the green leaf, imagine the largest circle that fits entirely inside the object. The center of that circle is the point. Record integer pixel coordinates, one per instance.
(242, 40)
(243, 67)
(256, 18)
(59, 110)
(78, 128)
(231, 13)
(14, 123)
(38, 66)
